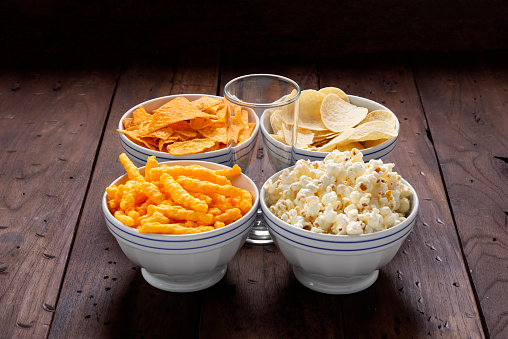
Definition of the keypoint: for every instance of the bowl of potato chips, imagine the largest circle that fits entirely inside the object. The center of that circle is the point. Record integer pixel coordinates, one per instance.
(186, 127)
(340, 220)
(180, 221)
(328, 120)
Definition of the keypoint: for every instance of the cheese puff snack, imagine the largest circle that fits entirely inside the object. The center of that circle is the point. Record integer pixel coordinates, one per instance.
(177, 199)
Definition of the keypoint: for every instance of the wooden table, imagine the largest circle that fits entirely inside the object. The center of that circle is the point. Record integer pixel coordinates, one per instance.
(62, 274)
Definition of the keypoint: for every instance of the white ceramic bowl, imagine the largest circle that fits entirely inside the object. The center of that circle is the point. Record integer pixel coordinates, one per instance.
(139, 154)
(337, 264)
(277, 151)
(188, 262)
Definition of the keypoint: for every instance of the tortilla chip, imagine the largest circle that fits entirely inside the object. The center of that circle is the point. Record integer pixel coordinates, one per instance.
(190, 147)
(176, 110)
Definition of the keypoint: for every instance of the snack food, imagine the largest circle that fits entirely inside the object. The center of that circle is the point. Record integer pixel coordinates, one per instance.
(181, 127)
(177, 199)
(328, 121)
(340, 195)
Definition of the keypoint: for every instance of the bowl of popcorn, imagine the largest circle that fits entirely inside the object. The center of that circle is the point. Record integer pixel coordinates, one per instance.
(338, 221)
(187, 127)
(180, 221)
(331, 120)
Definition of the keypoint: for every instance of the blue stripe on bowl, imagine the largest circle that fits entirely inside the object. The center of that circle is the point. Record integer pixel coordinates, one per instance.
(345, 250)
(110, 221)
(333, 241)
(274, 145)
(249, 147)
(109, 224)
(171, 249)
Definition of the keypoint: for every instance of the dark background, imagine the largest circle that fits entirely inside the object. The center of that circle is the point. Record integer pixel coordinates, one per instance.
(274, 27)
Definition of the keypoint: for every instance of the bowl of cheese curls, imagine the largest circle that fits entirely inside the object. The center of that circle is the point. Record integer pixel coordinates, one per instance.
(181, 221)
(331, 120)
(187, 127)
(338, 221)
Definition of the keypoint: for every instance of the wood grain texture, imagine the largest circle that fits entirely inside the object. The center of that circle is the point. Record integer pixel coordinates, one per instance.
(465, 100)
(52, 117)
(104, 294)
(411, 296)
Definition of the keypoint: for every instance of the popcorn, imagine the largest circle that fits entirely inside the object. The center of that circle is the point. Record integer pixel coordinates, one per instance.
(340, 195)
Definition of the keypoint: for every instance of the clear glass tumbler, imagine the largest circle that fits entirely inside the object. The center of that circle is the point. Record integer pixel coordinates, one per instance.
(261, 96)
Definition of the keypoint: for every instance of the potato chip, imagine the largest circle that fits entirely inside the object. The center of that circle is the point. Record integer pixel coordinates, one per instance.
(309, 111)
(381, 115)
(304, 139)
(350, 146)
(373, 143)
(336, 115)
(339, 115)
(369, 131)
(334, 90)
(288, 133)
(279, 137)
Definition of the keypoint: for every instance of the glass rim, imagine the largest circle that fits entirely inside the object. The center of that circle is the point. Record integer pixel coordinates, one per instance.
(265, 105)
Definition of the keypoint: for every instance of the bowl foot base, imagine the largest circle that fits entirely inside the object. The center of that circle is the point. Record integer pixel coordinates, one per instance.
(335, 285)
(259, 234)
(184, 283)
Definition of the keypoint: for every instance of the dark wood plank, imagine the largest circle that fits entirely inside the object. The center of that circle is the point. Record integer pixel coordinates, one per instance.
(104, 294)
(412, 295)
(465, 99)
(52, 118)
(260, 297)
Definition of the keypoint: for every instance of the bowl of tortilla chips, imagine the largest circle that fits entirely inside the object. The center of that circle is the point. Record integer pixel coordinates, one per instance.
(185, 127)
(328, 120)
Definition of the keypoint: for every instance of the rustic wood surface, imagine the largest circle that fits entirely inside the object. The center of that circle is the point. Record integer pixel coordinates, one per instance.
(62, 274)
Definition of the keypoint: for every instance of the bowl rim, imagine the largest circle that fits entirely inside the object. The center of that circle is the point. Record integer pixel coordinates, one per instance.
(340, 238)
(318, 154)
(210, 154)
(182, 237)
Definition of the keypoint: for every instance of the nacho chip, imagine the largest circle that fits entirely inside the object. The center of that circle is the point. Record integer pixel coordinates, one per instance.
(127, 123)
(207, 104)
(140, 116)
(163, 133)
(218, 134)
(246, 132)
(200, 122)
(190, 146)
(181, 120)
(178, 109)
